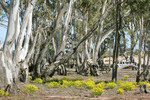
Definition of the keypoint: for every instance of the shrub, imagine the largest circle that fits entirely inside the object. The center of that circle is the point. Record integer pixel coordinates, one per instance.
(120, 91)
(79, 83)
(52, 84)
(89, 83)
(67, 83)
(38, 81)
(64, 78)
(31, 88)
(126, 77)
(67, 79)
(2, 93)
(90, 79)
(63, 86)
(126, 85)
(53, 80)
(100, 85)
(98, 81)
(144, 82)
(97, 91)
(111, 85)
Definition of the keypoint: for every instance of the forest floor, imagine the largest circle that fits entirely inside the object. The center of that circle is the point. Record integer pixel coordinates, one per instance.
(81, 93)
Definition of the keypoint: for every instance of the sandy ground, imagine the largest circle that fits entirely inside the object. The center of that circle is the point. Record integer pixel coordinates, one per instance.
(82, 93)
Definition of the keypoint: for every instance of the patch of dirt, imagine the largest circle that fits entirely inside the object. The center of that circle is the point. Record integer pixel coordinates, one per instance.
(82, 93)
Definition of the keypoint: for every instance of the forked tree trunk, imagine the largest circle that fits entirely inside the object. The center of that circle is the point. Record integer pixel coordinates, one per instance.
(10, 63)
(98, 43)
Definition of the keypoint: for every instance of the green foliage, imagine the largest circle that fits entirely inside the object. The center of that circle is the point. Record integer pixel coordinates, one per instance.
(79, 83)
(38, 81)
(120, 91)
(67, 79)
(89, 83)
(53, 84)
(138, 6)
(53, 80)
(97, 91)
(84, 3)
(67, 83)
(2, 93)
(144, 83)
(111, 85)
(29, 77)
(31, 88)
(126, 77)
(63, 86)
(126, 85)
(100, 85)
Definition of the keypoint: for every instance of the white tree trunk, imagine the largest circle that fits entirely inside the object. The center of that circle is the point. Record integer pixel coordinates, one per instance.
(64, 41)
(21, 52)
(98, 43)
(12, 25)
(9, 68)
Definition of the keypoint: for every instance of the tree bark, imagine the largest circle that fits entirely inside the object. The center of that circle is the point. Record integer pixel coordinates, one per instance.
(9, 70)
(140, 49)
(98, 43)
(117, 40)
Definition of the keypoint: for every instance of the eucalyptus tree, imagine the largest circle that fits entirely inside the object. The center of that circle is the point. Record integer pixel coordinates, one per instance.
(18, 35)
(62, 13)
(140, 8)
(132, 31)
(117, 40)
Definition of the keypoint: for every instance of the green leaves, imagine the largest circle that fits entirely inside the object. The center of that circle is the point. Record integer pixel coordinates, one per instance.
(138, 6)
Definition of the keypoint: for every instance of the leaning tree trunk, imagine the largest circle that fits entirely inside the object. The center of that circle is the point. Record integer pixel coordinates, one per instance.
(61, 50)
(36, 70)
(68, 55)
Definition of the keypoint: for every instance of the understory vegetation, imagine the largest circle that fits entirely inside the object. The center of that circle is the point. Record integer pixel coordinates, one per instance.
(96, 87)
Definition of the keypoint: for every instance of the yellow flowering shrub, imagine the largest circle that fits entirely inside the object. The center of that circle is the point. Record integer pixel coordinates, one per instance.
(38, 81)
(53, 84)
(90, 79)
(78, 83)
(89, 83)
(2, 93)
(111, 85)
(67, 83)
(144, 82)
(100, 85)
(31, 88)
(126, 77)
(126, 85)
(63, 86)
(120, 91)
(97, 91)
(63, 79)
